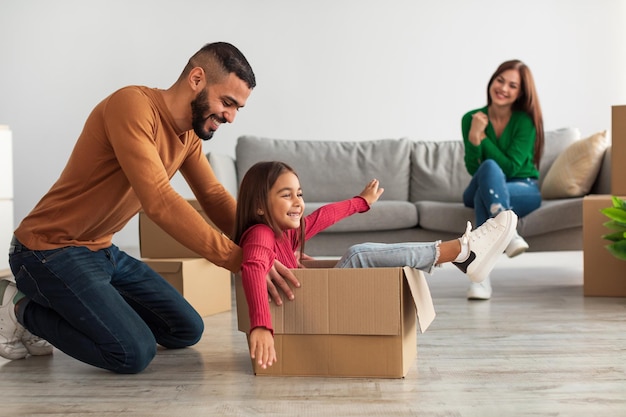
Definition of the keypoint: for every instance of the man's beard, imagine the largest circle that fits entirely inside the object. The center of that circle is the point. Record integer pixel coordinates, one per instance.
(200, 107)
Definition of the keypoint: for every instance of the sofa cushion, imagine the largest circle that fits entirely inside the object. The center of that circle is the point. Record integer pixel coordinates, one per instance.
(552, 216)
(438, 171)
(444, 216)
(332, 171)
(555, 142)
(574, 171)
(383, 215)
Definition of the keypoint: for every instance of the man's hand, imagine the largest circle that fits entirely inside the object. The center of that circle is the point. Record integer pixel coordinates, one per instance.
(279, 277)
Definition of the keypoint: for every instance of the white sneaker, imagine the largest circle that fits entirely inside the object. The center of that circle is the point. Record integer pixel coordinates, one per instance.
(517, 246)
(486, 243)
(11, 331)
(15, 341)
(480, 290)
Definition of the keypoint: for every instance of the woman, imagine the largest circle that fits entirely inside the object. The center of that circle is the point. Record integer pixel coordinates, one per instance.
(503, 147)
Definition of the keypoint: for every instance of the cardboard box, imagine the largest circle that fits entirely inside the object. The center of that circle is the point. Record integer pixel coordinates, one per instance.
(618, 150)
(155, 243)
(205, 286)
(347, 322)
(604, 274)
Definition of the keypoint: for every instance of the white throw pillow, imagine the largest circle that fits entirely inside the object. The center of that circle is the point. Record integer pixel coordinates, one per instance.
(574, 171)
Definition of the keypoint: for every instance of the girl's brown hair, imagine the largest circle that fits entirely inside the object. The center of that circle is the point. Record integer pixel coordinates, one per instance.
(253, 198)
(528, 101)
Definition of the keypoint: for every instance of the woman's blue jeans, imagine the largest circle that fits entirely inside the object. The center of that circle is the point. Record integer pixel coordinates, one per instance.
(104, 308)
(489, 193)
(417, 255)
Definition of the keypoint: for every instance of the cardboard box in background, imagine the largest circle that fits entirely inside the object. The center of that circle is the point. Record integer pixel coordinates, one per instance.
(618, 150)
(347, 322)
(154, 242)
(207, 287)
(604, 274)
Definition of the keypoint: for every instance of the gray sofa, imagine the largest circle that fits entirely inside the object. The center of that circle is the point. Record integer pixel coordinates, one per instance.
(423, 182)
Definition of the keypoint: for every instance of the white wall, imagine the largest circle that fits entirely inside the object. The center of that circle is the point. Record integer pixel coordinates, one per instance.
(326, 69)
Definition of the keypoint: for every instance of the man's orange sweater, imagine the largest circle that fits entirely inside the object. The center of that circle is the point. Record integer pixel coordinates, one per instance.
(122, 162)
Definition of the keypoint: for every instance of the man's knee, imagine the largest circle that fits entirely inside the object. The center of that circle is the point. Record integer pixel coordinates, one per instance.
(185, 336)
(130, 358)
(194, 334)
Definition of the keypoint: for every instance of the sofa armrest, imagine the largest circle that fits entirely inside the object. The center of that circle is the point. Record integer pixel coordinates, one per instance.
(225, 169)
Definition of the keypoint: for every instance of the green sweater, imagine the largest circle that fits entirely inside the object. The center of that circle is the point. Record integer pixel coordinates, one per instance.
(513, 150)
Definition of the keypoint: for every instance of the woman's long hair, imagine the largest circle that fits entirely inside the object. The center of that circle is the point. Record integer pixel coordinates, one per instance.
(528, 101)
(253, 199)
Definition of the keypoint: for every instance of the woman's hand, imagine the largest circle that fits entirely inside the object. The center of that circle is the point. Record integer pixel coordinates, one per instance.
(477, 129)
(371, 193)
(262, 347)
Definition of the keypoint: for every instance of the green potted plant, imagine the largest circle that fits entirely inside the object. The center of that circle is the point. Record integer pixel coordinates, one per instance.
(617, 223)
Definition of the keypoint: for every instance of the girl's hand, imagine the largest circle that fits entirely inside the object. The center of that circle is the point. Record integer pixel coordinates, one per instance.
(371, 193)
(302, 256)
(262, 347)
(477, 129)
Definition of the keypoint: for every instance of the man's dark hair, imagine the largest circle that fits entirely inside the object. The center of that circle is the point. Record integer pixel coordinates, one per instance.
(219, 59)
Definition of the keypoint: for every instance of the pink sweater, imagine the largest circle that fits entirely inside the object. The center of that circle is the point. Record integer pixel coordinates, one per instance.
(261, 248)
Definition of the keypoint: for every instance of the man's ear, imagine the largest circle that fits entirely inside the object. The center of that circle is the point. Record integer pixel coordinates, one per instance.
(196, 78)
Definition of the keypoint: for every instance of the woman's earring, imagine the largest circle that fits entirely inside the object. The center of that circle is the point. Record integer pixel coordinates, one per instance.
(259, 212)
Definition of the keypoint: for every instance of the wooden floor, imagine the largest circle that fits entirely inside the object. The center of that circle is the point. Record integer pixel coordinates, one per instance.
(538, 348)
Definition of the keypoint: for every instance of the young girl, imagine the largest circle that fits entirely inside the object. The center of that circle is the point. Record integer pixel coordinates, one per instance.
(270, 225)
(503, 147)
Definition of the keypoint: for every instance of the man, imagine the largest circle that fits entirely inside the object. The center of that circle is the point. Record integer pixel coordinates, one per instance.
(79, 291)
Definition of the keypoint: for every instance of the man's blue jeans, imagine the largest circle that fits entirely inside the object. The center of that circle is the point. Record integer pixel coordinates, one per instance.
(104, 308)
(489, 193)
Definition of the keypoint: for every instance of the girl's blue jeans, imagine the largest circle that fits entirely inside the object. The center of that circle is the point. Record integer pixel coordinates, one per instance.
(417, 255)
(489, 193)
(104, 308)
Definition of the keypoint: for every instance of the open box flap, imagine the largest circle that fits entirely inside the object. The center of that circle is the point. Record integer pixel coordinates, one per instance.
(421, 295)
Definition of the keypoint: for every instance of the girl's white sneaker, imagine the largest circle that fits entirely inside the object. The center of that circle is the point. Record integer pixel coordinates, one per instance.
(486, 243)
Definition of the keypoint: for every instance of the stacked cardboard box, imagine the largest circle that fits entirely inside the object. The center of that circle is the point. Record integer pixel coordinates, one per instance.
(154, 242)
(204, 285)
(347, 322)
(605, 275)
